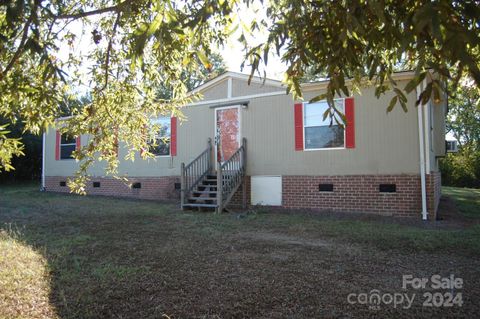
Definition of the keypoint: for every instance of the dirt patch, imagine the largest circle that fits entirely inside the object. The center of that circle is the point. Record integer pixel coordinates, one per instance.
(449, 214)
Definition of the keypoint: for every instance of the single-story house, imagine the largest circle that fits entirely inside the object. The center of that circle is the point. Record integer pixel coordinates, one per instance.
(268, 149)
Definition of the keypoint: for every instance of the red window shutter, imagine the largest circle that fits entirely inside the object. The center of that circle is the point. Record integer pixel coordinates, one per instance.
(78, 141)
(350, 127)
(173, 136)
(298, 118)
(58, 138)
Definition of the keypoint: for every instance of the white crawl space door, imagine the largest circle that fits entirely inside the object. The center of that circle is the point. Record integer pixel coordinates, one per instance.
(266, 190)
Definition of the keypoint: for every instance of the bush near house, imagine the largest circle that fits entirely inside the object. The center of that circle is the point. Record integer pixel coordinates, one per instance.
(461, 170)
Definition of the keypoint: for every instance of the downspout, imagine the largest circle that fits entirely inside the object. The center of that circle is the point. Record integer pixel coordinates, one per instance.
(43, 162)
(421, 141)
(427, 134)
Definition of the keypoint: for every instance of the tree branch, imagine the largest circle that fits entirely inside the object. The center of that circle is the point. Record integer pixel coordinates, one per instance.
(118, 8)
(109, 49)
(17, 53)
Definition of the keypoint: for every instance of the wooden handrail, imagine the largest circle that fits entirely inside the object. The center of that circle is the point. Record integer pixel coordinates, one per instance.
(193, 173)
(230, 175)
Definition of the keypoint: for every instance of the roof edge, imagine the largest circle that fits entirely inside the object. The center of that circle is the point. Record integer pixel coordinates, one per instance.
(401, 75)
(310, 86)
(238, 76)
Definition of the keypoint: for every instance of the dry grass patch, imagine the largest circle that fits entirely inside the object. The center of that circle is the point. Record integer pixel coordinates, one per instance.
(24, 280)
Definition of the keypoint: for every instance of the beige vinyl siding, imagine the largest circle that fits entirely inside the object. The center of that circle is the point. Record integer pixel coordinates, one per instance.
(65, 167)
(219, 91)
(439, 114)
(435, 132)
(384, 143)
(192, 135)
(241, 88)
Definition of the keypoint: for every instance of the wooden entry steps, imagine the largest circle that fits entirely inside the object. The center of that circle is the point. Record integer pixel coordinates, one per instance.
(200, 188)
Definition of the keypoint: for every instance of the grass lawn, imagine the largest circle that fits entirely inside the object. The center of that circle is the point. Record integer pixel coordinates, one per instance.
(92, 257)
(466, 199)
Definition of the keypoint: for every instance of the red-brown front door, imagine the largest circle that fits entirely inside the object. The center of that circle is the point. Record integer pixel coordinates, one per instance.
(228, 132)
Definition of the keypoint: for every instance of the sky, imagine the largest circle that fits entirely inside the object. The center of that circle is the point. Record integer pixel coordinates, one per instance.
(233, 56)
(232, 52)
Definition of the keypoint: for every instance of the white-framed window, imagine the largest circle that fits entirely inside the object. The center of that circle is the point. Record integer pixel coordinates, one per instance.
(67, 146)
(160, 142)
(322, 133)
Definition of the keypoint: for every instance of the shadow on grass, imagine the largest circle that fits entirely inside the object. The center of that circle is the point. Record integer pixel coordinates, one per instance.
(466, 199)
(106, 257)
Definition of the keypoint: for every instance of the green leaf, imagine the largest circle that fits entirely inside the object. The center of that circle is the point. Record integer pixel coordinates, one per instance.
(203, 58)
(411, 85)
(317, 98)
(392, 103)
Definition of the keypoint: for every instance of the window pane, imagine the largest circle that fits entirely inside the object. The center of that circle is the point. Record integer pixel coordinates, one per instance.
(314, 113)
(161, 147)
(67, 139)
(66, 151)
(164, 124)
(324, 137)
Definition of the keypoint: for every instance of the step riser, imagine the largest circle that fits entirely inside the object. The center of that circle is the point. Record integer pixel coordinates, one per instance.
(202, 199)
(210, 188)
(205, 194)
(206, 183)
(200, 205)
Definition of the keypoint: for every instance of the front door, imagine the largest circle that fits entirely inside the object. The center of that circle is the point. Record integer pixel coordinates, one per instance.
(227, 132)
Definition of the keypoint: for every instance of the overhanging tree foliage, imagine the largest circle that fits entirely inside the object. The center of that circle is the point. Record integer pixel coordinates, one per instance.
(133, 48)
(372, 39)
(124, 49)
(216, 66)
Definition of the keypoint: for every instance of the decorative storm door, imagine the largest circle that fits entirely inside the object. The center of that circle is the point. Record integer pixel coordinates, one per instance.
(227, 132)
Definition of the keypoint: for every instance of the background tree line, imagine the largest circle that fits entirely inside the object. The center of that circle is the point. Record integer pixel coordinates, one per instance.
(463, 122)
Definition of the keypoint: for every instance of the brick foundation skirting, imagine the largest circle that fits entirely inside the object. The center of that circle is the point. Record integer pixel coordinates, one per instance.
(360, 193)
(237, 198)
(152, 188)
(352, 193)
(434, 193)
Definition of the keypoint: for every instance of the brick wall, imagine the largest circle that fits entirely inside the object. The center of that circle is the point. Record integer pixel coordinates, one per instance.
(237, 199)
(154, 188)
(434, 192)
(356, 193)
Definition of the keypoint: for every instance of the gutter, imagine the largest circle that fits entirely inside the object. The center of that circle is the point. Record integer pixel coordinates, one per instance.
(421, 140)
(42, 189)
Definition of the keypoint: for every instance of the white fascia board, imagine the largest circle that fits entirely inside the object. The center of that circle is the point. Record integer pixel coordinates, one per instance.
(399, 76)
(238, 98)
(238, 76)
